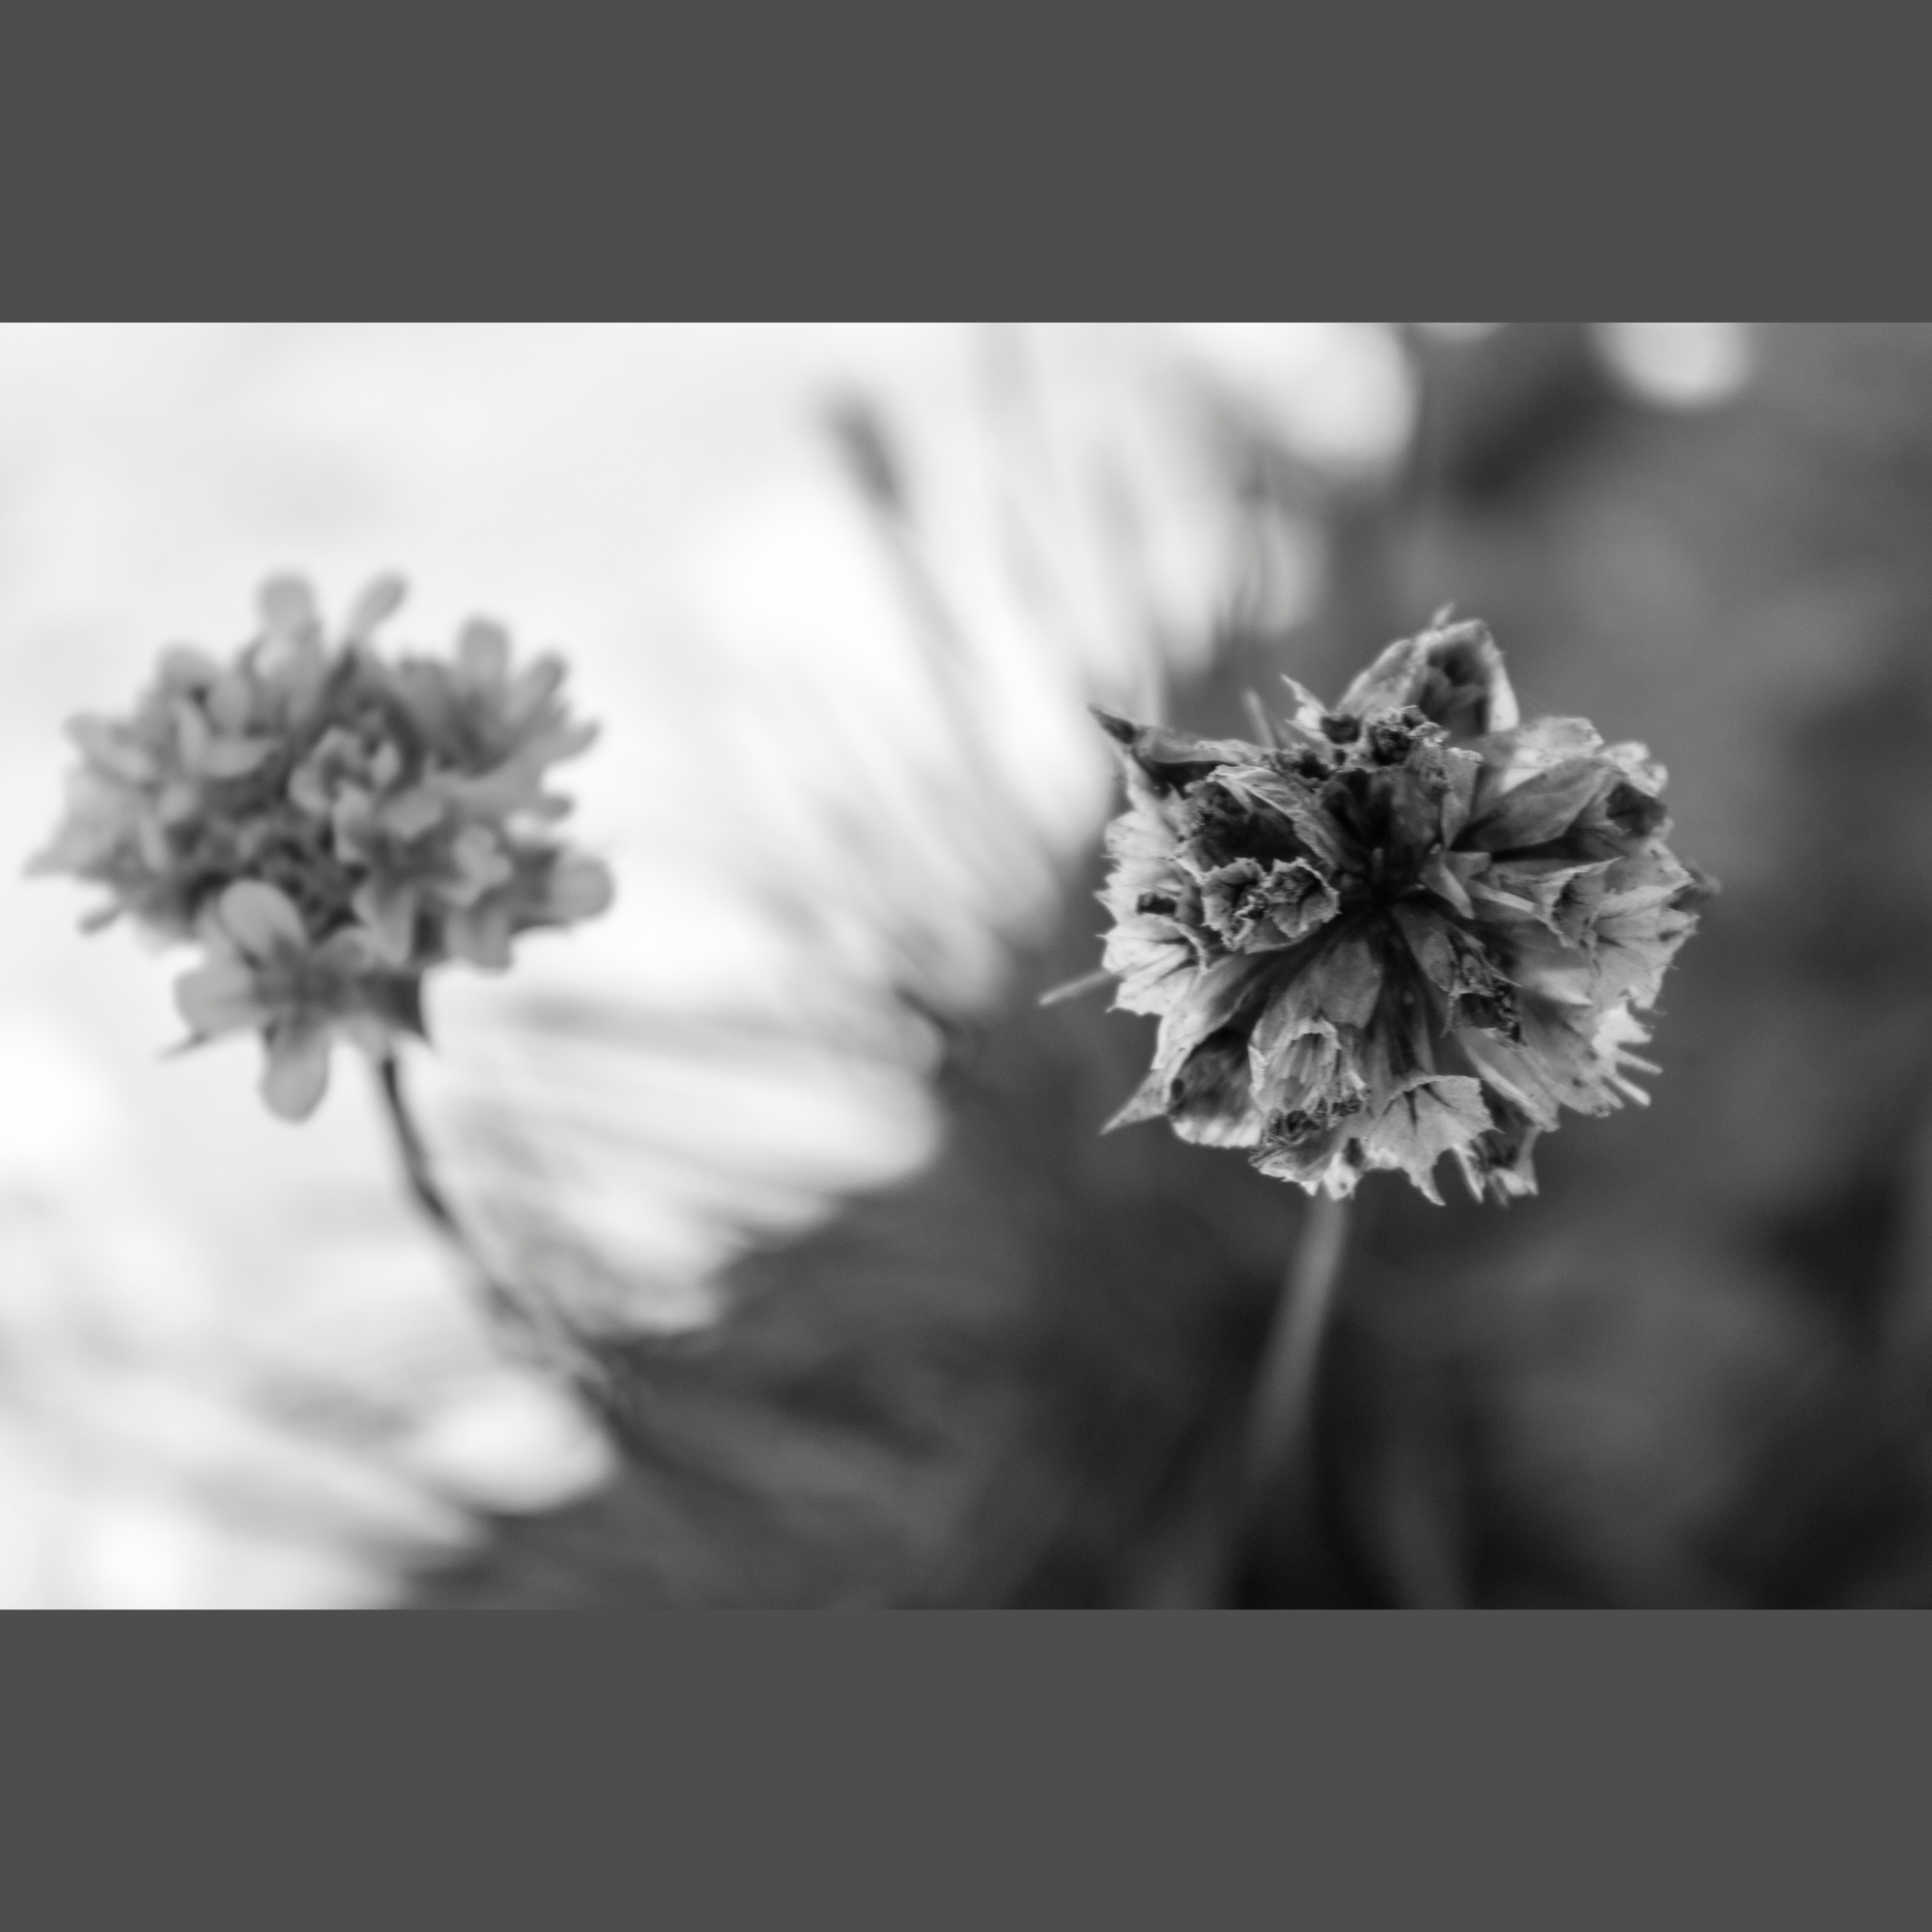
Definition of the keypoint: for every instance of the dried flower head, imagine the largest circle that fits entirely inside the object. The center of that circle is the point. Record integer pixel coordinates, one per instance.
(1406, 928)
(328, 825)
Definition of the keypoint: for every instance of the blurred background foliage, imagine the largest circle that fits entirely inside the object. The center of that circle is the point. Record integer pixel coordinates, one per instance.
(1696, 1370)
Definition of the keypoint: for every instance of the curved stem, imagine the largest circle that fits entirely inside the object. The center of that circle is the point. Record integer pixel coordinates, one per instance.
(547, 1342)
(410, 1143)
(428, 1190)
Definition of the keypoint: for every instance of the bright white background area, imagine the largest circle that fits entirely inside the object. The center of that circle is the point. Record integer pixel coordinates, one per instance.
(234, 1368)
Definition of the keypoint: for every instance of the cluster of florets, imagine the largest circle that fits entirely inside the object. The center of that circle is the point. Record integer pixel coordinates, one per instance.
(1406, 928)
(328, 824)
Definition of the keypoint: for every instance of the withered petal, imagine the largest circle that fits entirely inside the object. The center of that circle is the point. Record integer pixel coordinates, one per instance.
(1454, 676)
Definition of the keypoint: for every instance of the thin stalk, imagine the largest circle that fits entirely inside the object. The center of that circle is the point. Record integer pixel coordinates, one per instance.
(420, 1171)
(416, 1164)
(549, 1344)
(1281, 1414)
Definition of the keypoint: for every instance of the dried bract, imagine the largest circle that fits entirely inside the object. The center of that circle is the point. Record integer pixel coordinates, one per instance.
(328, 825)
(1409, 926)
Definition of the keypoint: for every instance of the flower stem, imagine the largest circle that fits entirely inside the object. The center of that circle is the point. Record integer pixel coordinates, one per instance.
(428, 1190)
(423, 1183)
(545, 1340)
(1281, 1412)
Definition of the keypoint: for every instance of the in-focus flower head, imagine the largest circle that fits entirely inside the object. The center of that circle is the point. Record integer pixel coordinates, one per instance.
(1406, 928)
(328, 825)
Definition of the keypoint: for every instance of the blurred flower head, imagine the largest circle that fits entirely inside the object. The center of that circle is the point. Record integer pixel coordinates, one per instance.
(1406, 928)
(328, 825)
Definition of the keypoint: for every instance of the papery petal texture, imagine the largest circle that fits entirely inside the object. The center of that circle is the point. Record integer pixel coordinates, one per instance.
(1411, 928)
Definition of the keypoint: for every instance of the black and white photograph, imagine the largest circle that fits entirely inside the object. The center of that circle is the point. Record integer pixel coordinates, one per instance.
(966, 966)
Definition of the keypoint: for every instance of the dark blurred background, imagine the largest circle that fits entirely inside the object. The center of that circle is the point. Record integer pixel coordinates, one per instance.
(1696, 1369)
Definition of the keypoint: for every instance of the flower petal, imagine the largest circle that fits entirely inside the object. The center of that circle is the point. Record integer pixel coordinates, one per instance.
(1342, 981)
(1209, 1098)
(229, 702)
(579, 887)
(481, 934)
(183, 668)
(377, 601)
(110, 746)
(410, 814)
(295, 1074)
(219, 997)
(234, 757)
(1154, 962)
(1148, 1102)
(1541, 808)
(480, 864)
(1511, 756)
(1290, 801)
(532, 687)
(1454, 676)
(287, 604)
(1432, 1117)
(1168, 758)
(1497, 1164)
(483, 650)
(261, 919)
(1232, 992)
